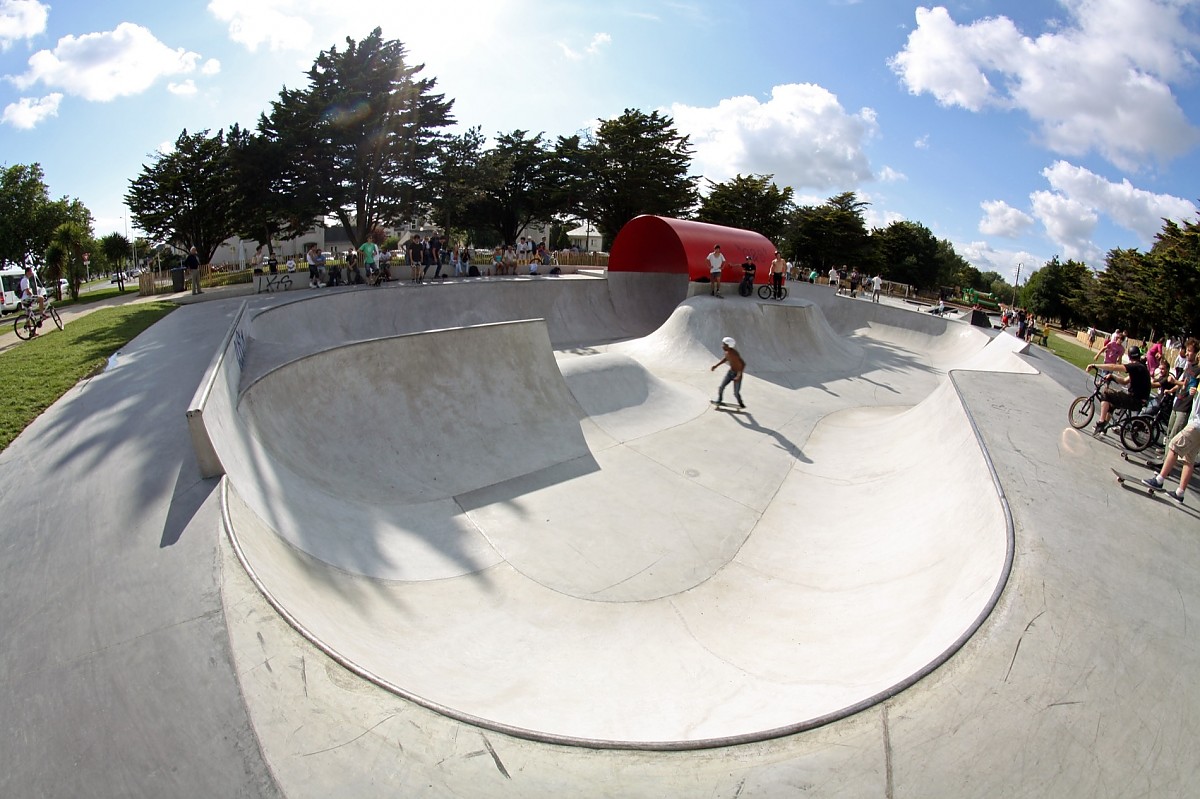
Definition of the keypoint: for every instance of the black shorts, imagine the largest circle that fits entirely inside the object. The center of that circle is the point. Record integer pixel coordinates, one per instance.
(1119, 398)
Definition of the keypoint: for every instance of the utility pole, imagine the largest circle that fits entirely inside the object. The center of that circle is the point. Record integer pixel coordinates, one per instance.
(1017, 283)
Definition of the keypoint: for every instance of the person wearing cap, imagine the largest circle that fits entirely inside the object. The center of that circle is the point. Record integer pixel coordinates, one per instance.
(737, 368)
(716, 261)
(1136, 377)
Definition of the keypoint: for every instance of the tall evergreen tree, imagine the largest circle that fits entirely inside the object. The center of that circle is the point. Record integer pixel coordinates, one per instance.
(638, 164)
(832, 234)
(362, 136)
(185, 197)
(752, 202)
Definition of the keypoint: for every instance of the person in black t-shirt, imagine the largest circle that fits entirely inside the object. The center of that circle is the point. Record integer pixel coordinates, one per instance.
(1137, 378)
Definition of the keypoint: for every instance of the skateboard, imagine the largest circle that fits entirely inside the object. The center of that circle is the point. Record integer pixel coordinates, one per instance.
(1155, 465)
(728, 407)
(1135, 484)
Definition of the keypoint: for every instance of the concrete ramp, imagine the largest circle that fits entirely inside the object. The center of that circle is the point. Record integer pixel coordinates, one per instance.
(625, 400)
(363, 476)
(772, 337)
(430, 415)
(578, 311)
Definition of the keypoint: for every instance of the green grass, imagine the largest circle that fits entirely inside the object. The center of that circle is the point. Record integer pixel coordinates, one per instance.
(96, 296)
(36, 373)
(1077, 354)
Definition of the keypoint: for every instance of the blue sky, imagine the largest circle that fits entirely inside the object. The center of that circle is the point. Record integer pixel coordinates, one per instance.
(1016, 130)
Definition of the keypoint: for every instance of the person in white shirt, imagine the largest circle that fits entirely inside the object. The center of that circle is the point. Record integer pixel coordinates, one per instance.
(876, 285)
(716, 261)
(29, 292)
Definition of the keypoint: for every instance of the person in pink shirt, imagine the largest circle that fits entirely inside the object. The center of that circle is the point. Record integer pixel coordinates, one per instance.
(1154, 355)
(1113, 349)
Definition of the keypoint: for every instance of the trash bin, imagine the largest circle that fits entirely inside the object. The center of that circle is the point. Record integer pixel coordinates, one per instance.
(177, 278)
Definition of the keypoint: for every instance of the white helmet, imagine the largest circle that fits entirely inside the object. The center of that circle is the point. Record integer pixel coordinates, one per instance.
(728, 341)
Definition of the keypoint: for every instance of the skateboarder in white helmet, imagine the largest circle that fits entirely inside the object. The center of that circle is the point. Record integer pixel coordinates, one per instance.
(737, 367)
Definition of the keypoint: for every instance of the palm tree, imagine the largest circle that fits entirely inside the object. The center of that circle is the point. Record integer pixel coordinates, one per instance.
(74, 239)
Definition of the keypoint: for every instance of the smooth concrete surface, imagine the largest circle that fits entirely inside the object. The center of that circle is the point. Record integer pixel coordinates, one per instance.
(665, 571)
(1078, 683)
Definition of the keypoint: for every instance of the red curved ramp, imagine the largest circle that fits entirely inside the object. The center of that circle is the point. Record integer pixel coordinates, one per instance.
(661, 244)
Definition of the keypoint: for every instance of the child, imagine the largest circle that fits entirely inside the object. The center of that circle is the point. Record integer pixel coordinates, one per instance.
(737, 367)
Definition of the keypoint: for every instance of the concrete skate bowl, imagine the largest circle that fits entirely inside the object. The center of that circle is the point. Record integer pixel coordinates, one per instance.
(545, 571)
(578, 310)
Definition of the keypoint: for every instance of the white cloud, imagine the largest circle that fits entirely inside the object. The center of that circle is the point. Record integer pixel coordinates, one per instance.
(1134, 209)
(102, 66)
(922, 143)
(27, 112)
(279, 24)
(1071, 210)
(1069, 223)
(1001, 219)
(188, 87)
(889, 175)
(21, 19)
(1101, 82)
(986, 258)
(802, 136)
(211, 67)
(598, 42)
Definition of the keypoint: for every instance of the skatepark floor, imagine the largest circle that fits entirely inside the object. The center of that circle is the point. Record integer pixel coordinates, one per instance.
(147, 662)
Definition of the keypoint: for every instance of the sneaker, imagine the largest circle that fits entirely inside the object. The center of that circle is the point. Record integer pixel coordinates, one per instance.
(741, 404)
(1100, 428)
(1176, 495)
(1152, 482)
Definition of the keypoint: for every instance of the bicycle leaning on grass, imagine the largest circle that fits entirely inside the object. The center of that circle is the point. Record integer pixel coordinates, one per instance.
(28, 321)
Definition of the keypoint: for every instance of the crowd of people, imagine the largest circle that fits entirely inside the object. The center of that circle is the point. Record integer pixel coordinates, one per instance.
(1147, 384)
(427, 257)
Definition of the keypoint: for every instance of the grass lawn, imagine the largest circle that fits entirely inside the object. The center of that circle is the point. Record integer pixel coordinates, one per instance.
(36, 373)
(1077, 354)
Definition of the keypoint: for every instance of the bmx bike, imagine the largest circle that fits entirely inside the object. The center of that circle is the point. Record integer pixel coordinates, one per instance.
(766, 292)
(1083, 409)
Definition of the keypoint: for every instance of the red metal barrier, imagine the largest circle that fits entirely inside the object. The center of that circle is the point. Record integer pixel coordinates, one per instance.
(661, 244)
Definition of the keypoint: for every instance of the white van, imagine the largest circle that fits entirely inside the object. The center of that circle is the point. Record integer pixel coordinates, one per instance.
(10, 287)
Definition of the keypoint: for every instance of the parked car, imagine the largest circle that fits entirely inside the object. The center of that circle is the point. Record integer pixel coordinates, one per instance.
(118, 276)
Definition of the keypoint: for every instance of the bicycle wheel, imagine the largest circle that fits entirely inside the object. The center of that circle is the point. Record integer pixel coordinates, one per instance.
(783, 292)
(23, 328)
(764, 292)
(745, 287)
(1082, 411)
(53, 314)
(1136, 434)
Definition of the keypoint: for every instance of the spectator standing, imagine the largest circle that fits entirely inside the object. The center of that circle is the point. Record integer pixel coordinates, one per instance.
(370, 256)
(1184, 446)
(314, 269)
(435, 254)
(1113, 349)
(1185, 373)
(192, 264)
(716, 262)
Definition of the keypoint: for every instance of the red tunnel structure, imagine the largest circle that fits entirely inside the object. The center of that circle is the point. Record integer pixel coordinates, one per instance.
(678, 246)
